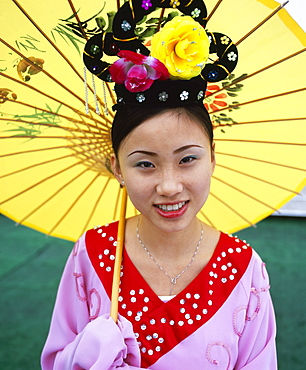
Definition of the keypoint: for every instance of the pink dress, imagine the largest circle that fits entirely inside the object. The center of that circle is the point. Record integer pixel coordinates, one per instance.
(224, 319)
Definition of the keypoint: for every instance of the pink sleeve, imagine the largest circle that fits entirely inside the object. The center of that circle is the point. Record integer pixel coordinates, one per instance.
(257, 349)
(75, 341)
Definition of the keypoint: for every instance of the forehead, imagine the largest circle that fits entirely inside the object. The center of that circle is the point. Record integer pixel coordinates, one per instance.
(168, 127)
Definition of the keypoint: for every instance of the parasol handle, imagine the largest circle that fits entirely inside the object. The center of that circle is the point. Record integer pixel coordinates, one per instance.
(119, 249)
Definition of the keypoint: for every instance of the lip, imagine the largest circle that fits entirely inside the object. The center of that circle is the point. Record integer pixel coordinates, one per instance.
(173, 213)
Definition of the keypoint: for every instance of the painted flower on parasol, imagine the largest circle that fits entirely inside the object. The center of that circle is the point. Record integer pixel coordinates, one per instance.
(6, 94)
(25, 69)
(216, 100)
(137, 71)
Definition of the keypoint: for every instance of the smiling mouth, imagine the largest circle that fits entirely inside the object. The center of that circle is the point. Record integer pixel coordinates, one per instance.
(171, 207)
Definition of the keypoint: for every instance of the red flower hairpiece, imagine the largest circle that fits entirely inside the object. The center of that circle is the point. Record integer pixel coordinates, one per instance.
(136, 71)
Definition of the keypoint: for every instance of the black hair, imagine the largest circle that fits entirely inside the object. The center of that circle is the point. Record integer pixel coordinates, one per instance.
(129, 117)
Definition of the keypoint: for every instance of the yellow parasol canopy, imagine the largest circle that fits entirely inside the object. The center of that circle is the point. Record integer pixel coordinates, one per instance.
(54, 155)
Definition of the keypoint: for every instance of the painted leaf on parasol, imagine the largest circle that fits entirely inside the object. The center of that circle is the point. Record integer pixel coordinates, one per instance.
(54, 160)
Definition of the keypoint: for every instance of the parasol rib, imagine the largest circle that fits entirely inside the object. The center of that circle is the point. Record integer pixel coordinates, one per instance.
(83, 147)
(40, 92)
(214, 10)
(73, 204)
(76, 137)
(96, 205)
(101, 137)
(77, 19)
(259, 24)
(246, 194)
(85, 36)
(47, 38)
(261, 142)
(54, 45)
(36, 137)
(45, 72)
(69, 129)
(37, 150)
(207, 219)
(276, 120)
(52, 196)
(81, 151)
(40, 182)
(53, 113)
(238, 80)
(262, 22)
(231, 106)
(232, 209)
(80, 113)
(35, 165)
(262, 161)
(162, 13)
(257, 178)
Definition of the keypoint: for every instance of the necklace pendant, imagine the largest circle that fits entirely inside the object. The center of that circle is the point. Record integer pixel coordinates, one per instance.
(172, 280)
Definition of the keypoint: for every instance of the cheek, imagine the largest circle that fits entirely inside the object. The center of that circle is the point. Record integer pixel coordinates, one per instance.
(201, 182)
(139, 189)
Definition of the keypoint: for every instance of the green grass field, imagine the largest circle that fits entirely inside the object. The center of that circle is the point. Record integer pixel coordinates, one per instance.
(31, 266)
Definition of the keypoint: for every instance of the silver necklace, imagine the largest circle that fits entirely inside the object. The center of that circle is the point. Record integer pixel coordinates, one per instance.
(174, 279)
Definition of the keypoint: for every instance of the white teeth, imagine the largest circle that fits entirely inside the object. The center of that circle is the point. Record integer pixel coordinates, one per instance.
(173, 207)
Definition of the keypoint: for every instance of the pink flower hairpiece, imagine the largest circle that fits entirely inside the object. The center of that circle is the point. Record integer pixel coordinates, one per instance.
(136, 71)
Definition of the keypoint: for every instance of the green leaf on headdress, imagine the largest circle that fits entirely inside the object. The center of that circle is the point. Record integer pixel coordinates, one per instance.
(153, 21)
(171, 15)
(101, 23)
(150, 31)
(110, 16)
(142, 20)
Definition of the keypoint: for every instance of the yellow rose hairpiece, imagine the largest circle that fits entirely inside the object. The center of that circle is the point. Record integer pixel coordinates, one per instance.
(183, 46)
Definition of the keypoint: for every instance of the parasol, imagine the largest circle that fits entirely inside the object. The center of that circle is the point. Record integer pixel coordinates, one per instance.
(54, 155)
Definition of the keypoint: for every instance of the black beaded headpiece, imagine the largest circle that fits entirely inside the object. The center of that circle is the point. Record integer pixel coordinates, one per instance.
(161, 91)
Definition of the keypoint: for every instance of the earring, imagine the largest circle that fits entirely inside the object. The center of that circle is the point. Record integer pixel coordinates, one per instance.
(122, 183)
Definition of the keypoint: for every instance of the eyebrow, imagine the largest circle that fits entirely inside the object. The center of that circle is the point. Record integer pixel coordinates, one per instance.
(179, 150)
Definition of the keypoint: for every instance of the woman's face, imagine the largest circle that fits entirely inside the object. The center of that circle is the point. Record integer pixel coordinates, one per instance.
(166, 164)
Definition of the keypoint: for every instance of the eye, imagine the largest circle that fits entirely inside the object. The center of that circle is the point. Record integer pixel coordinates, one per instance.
(188, 159)
(145, 164)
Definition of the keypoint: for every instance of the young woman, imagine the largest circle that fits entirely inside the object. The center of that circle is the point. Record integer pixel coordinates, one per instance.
(190, 296)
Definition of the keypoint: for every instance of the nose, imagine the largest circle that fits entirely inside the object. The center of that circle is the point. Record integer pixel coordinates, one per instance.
(169, 184)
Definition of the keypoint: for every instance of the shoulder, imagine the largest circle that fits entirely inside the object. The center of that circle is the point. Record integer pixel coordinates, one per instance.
(100, 243)
(101, 235)
(232, 248)
(255, 275)
(239, 252)
(100, 239)
(243, 255)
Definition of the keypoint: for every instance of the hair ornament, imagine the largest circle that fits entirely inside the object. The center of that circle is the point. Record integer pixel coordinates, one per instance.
(183, 46)
(176, 70)
(136, 71)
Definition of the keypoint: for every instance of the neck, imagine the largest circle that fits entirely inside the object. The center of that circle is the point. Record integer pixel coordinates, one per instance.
(169, 245)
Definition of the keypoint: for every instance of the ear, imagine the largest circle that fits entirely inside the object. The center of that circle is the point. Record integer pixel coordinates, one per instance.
(213, 157)
(116, 168)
